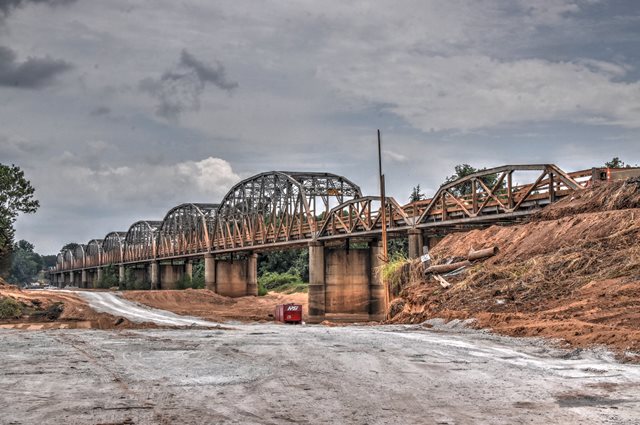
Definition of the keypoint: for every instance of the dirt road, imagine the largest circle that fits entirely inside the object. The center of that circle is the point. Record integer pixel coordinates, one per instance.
(277, 374)
(112, 303)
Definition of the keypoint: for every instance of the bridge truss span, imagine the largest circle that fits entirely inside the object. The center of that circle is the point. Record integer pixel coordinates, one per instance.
(278, 207)
(187, 229)
(280, 210)
(495, 192)
(140, 241)
(363, 216)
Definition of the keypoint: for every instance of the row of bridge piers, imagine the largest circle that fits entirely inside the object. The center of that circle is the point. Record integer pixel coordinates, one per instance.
(343, 280)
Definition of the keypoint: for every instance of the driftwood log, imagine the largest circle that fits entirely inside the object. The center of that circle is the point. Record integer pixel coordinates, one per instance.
(472, 256)
(446, 268)
(483, 253)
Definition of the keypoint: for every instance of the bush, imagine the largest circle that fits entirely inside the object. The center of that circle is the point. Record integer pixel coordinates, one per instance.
(10, 309)
(197, 281)
(184, 282)
(395, 272)
(109, 277)
(281, 282)
(51, 313)
(139, 285)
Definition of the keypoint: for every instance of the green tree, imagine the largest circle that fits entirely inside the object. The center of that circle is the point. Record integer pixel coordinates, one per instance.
(48, 260)
(616, 162)
(16, 196)
(463, 170)
(293, 261)
(109, 277)
(25, 263)
(197, 279)
(416, 194)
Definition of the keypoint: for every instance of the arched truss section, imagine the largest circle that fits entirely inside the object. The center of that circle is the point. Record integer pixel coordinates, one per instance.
(93, 253)
(140, 241)
(78, 256)
(363, 216)
(68, 259)
(497, 191)
(278, 207)
(186, 229)
(60, 262)
(113, 248)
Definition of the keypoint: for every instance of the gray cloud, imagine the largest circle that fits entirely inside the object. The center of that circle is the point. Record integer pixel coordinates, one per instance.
(30, 74)
(7, 6)
(179, 90)
(499, 81)
(100, 110)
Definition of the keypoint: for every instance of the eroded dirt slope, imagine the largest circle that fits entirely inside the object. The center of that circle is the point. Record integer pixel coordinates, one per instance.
(71, 311)
(572, 273)
(211, 306)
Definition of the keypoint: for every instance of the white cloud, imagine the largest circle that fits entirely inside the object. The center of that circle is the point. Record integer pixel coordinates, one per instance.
(394, 156)
(141, 185)
(80, 202)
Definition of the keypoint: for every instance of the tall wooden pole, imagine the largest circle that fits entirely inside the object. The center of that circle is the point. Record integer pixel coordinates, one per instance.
(385, 254)
(383, 200)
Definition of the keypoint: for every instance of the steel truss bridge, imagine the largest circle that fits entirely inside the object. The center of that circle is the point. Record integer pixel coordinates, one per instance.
(279, 210)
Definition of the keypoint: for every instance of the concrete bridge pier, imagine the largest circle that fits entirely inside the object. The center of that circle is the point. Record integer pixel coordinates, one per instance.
(139, 274)
(84, 282)
(252, 274)
(155, 275)
(121, 274)
(210, 272)
(91, 278)
(236, 277)
(71, 279)
(343, 283)
(188, 268)
(316, 282)
(99, 276)
(415, 243)
(170, 274)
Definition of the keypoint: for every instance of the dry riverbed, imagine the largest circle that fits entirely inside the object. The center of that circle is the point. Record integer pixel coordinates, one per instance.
(277, 374)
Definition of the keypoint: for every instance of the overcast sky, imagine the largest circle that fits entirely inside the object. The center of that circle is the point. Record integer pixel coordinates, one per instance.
(118, 110)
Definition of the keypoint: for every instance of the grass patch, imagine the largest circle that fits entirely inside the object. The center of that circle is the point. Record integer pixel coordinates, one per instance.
(287, 283)
(397, 272)
(10, 309)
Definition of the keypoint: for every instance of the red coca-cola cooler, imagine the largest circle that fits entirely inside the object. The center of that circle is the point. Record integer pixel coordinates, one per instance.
(289, 313)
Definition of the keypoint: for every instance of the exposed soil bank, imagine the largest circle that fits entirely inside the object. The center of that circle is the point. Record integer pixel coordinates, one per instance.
(568, 274)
